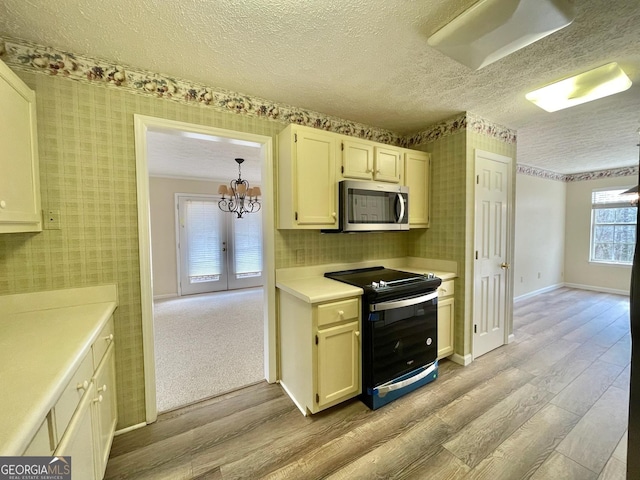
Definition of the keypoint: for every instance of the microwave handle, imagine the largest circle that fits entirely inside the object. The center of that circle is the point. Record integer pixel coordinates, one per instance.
(401, 201)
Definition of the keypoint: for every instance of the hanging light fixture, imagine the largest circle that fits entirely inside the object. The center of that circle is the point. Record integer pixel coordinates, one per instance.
(240, 197)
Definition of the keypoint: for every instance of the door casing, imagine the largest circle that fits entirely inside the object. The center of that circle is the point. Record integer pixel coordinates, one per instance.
(143, 124)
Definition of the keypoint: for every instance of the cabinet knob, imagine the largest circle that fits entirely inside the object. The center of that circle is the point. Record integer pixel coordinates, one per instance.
(356, 333)
(334, 215)
(341, 313)
(99, 399)
(3, 204)
(109, 338)
(83, 386)
(444, 290)
(103, 388)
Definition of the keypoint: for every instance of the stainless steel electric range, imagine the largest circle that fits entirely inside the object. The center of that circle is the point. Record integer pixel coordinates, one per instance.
(400, 331)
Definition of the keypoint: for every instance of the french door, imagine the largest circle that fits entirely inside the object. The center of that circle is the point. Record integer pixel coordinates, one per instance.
(216, 250)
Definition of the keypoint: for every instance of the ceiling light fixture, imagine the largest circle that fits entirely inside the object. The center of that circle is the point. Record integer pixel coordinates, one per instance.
(492, 29)
(241, 198)
(597, 83)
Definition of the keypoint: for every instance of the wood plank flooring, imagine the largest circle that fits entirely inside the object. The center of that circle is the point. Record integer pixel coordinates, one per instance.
(550, 405)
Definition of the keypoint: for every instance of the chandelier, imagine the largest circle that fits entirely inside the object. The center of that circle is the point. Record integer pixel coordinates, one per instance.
(240, 198)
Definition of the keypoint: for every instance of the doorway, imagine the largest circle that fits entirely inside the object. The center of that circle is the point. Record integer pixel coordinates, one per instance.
(144, 125)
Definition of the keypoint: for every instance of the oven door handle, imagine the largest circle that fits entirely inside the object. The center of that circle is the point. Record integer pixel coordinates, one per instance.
(383, 389)
(376, 307)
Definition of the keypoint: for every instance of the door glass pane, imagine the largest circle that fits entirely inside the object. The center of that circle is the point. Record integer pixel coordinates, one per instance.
(204, 262)
(247, 237)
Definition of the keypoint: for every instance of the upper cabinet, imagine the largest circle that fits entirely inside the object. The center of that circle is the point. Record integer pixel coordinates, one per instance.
(307, 189)
(365, 160)
(19, 178)
(417, 172)
(388, 161)
(357, 159)
(312, 162)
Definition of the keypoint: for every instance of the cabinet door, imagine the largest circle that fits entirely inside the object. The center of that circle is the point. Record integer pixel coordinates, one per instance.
(19, 181)
(338, 363)
(315, 180)
(78, 442)
(357, 160)
(387, 164)
(106, 410)
(445, 327)
(417, 173)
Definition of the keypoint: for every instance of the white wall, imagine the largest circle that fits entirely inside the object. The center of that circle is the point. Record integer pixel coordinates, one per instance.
(162, 207)
(578, 269)
(540, 234)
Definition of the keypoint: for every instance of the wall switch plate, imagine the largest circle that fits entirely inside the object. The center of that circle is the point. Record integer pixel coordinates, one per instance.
(51, 219)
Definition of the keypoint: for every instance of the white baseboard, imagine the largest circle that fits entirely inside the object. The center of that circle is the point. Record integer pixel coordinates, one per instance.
(461, 360)
(538, 292)
(597, 289)
(131, 428)
(166, 295)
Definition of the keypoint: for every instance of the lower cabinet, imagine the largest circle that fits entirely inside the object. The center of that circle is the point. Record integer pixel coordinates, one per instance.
(78, 439)
(82, 423)
(320, 351)
(445, 319)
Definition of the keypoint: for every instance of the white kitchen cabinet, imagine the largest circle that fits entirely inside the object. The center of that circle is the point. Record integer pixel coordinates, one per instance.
(105, 411)
(320, 351)
(83, 420)
(20, 209)
(307, 188)
(357, 159)
(78, 440)
(446, 316)
(417, 172)
(371, 161)
(387, 164)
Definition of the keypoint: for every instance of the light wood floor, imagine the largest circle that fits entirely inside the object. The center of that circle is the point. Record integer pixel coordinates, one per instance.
(551, 405)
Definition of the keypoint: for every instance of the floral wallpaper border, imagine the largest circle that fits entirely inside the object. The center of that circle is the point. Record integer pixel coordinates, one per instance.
(464, 121)
(30, 56)
(576, 177)
(539, 172)
(612, 172)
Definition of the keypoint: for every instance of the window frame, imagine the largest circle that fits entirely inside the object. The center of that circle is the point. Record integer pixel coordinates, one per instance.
(623, 203)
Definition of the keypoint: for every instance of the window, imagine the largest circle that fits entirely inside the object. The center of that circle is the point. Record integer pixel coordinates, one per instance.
(613, 227)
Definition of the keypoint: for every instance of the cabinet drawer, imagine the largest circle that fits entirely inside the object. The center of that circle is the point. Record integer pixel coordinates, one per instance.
(70, 398)
(337, 311)
(446, 289)
(102, 342)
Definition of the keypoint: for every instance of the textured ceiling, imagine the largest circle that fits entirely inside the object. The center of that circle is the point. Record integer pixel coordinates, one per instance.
(205, 158)
(366, 61)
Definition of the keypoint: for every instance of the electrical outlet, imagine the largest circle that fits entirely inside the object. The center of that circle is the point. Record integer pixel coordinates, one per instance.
(51, 219)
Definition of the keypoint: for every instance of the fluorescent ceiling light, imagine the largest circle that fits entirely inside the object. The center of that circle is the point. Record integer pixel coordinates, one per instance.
(597, 83)
(492, 29)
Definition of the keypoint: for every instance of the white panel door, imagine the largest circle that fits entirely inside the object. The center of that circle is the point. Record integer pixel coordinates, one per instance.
(493, 173)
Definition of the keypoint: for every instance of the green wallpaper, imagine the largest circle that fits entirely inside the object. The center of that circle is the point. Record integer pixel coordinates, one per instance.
(87, 171)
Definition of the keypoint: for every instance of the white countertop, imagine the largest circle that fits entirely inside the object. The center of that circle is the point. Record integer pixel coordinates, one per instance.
(40, 350)
(309, 285)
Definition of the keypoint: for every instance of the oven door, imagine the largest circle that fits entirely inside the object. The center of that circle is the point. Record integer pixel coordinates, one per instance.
(400, 336)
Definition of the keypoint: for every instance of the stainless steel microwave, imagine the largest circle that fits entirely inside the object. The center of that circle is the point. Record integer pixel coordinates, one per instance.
(373, 206)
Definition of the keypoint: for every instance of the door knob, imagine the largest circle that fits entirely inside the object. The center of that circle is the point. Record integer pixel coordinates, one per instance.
(504, 265)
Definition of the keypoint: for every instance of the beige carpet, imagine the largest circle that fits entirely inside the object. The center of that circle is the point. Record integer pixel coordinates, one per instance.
(208, 344)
